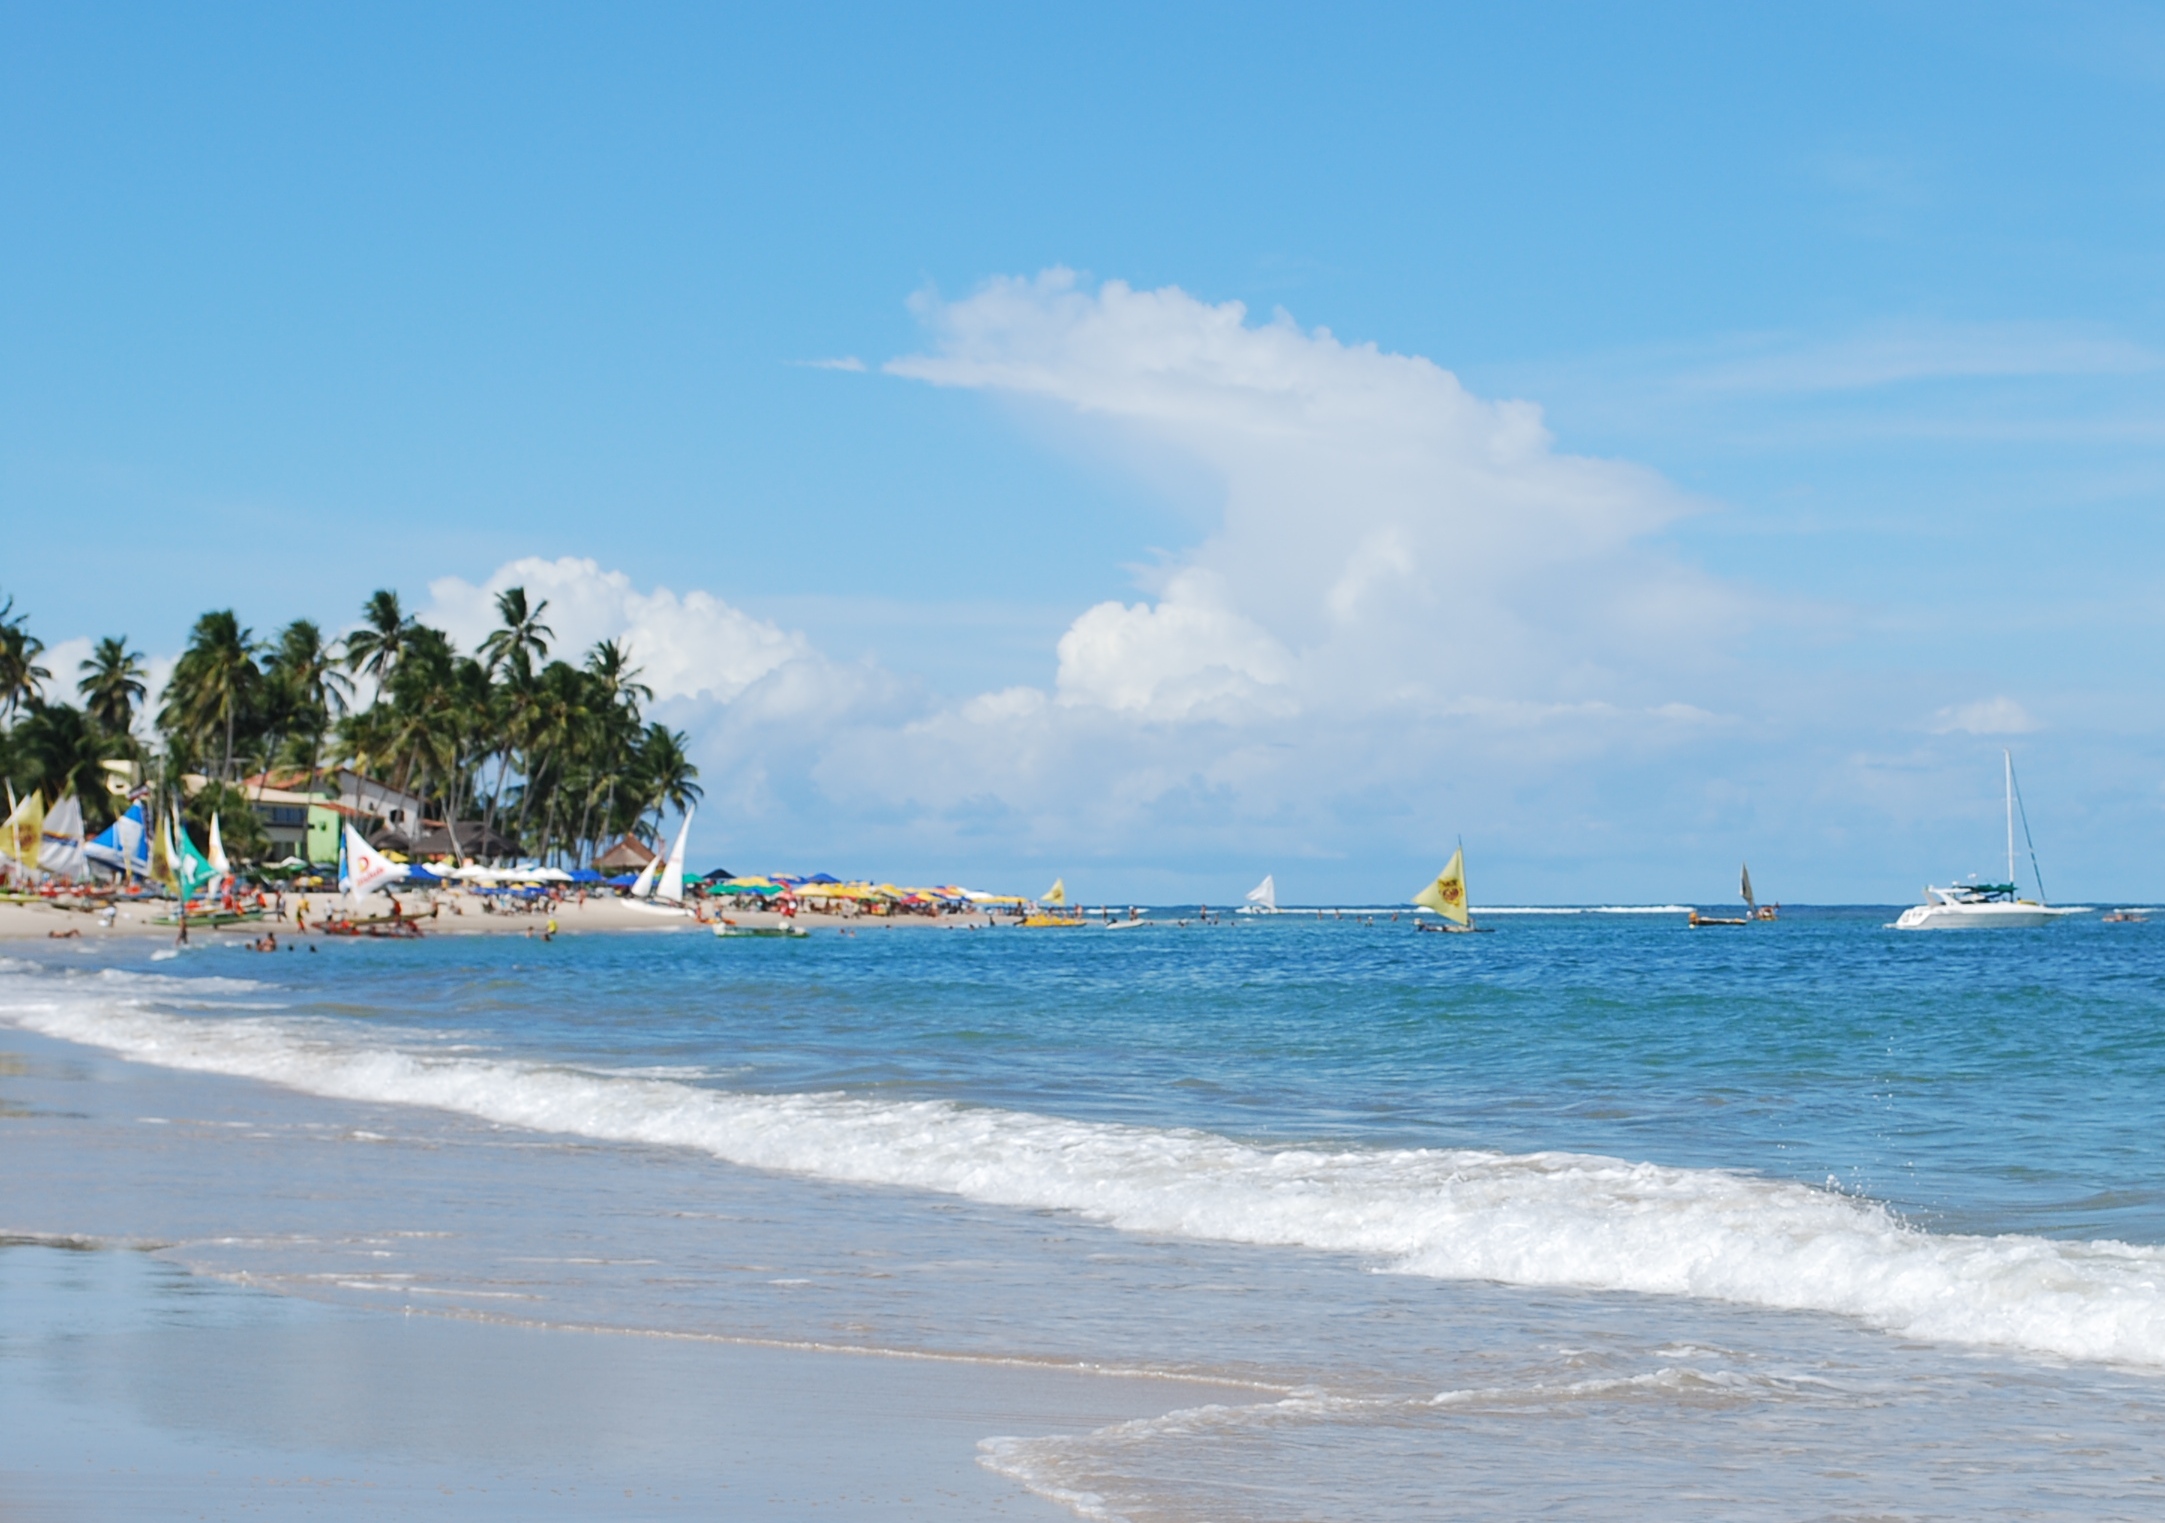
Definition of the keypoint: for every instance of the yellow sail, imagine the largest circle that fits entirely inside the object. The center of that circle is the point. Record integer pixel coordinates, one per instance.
(24, 831)
(1447, 895)
(1057, 894)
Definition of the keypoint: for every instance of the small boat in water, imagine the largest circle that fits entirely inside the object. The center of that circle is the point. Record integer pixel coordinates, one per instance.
(1447, 897)
(2126, 917)
(731, 930)
(1752, 911)
(1988, 906)
(1053, 913)
(1263, 898)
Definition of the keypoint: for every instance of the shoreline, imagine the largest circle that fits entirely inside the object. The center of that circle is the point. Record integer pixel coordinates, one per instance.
(152, 1374)
(442, 913)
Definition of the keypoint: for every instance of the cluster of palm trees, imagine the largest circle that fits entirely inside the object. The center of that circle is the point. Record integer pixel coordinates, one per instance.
(554, 757)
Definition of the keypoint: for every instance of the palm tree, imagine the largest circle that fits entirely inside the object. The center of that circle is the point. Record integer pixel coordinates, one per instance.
(666, 771)
(58, 747)
(522, 636)
(313, 691)
(376, 647)
(20, 675)
(112, 684)
(215, 684)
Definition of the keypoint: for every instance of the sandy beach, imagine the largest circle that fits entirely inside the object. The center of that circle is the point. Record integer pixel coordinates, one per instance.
(441, 913)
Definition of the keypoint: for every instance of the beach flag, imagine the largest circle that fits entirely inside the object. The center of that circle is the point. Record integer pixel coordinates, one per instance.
(1447, 895)
(365, 869)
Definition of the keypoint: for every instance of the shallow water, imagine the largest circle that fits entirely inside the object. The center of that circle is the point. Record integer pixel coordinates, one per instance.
(1785, 1220)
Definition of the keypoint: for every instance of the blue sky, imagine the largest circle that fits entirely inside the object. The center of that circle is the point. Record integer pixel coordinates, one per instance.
(1856, 310)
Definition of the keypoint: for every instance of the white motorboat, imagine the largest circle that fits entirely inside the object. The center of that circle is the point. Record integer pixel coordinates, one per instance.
(1986, 906)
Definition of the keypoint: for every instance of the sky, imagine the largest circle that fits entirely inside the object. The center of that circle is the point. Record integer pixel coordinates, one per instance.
(1159, 445)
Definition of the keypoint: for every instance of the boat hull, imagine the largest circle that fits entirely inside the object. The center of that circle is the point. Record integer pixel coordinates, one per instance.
(1977, 917)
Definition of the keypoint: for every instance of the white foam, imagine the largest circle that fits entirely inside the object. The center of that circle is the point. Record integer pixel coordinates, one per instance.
(1552, 1219)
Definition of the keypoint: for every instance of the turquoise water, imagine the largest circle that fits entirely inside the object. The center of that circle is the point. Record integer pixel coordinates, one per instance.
(1888, 1202)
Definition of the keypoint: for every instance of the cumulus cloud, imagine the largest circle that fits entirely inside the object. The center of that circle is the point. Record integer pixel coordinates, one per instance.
(1388, 538)
(1190, 653)
(1987, 716)
(686, 647)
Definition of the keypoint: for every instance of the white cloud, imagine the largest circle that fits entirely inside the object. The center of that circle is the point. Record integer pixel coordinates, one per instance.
(64, 659)
(1388, 538)
(1189, 654)
(686, 647)
(1987, 716)
(848, 362)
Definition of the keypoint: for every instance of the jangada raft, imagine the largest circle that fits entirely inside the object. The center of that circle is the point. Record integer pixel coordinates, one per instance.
(1986, 906)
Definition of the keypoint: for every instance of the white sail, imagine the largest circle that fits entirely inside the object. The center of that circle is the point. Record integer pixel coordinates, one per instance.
(60, 852)
(1264, 896)
(671, 890)
(1746, 889)
(643, 886)
(219, 866)
(367, 869)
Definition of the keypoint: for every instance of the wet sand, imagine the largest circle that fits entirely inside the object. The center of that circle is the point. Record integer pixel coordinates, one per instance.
(132, 1386)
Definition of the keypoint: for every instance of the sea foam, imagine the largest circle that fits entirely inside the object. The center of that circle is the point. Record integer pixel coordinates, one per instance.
(1537, 1219)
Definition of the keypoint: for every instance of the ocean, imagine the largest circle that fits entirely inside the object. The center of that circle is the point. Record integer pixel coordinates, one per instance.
(1596, 1216)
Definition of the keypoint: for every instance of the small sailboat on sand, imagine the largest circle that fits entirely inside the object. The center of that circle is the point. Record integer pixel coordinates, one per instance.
(1447, 897)
(667, 893)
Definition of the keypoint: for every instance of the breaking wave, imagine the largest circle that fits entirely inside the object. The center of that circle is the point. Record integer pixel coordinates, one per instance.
(1535, 1219)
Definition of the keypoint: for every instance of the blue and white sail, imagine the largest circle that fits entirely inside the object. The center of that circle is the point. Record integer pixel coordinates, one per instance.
(123, 846)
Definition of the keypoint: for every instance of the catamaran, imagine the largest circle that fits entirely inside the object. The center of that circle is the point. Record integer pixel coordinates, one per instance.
(1263, 898)
(667, 895)
(1982, 906)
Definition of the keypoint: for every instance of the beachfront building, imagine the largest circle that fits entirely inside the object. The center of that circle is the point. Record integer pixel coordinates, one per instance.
(628, 855)
(389, 816)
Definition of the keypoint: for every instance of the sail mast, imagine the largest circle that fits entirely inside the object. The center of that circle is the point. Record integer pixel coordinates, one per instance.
(2009, 758)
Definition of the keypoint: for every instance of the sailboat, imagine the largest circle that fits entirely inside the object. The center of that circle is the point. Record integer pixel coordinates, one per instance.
(667, 893)
(1052, 912)
(1981, 906)
(1447, 897)
(60, 846)
(1751, 908)
(1263, 898)
(643, 886)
